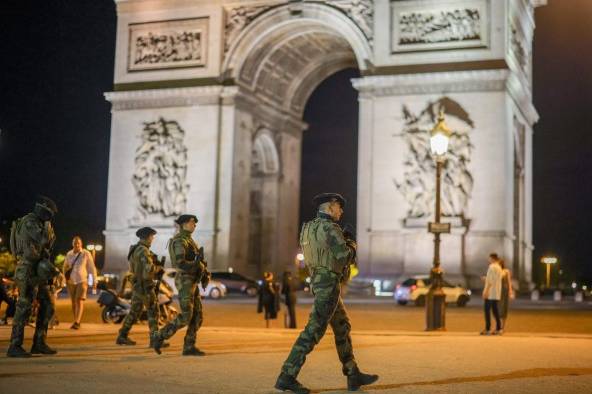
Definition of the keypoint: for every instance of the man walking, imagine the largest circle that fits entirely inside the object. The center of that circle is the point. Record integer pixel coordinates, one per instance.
(491, 295)
(144, 271)
(327, 255)
(31, 241)
(191, 269)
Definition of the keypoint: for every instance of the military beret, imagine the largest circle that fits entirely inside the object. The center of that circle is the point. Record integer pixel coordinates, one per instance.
(185, 218)
(328, 197)
(145, 232)
(47, 204)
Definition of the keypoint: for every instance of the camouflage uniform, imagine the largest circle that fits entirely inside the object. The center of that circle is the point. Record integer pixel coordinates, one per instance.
(183, 251)
(36, 238)
(327, 255)
(143, 272)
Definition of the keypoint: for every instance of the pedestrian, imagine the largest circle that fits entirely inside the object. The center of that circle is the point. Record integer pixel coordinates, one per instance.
(78, 265)
(7, 296)
(326, 253)
(289, 300)
(268, 299)
(492, 293)
(507, 294)
(31, 242)
(188, 260)
(57, 285)
(145, 270)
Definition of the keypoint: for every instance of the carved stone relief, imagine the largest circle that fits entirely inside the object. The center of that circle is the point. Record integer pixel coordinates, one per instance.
(417, 28)
(168, 44)
(418, 183)
(161, 169)
(237, 18)
(520, 53)
(360, 11)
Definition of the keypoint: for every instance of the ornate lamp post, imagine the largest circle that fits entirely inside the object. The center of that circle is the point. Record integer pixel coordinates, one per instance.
(436, 299)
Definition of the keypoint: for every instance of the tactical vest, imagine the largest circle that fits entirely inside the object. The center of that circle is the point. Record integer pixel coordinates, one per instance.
(20, 238)
(314, 241)
(189, 253)
(141, 271)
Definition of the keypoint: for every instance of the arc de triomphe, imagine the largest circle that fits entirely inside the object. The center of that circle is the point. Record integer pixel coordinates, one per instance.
(207, 118)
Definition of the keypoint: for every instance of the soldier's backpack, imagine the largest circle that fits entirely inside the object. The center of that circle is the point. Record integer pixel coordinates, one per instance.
(16, 245)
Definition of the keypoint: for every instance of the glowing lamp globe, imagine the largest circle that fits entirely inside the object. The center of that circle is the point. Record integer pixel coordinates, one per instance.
(440, 137)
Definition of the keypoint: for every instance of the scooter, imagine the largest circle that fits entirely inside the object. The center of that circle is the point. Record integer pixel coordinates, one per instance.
(116, 308)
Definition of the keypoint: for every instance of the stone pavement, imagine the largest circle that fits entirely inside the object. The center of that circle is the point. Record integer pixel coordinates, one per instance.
(247, 360)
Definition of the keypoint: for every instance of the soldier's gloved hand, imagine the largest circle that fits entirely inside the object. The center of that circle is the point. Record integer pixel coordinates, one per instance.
(351, 244)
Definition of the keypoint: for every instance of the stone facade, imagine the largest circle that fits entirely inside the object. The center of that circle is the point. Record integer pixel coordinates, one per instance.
(207, 118)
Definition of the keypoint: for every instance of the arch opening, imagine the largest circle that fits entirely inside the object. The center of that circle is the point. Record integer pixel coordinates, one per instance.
(277, 63)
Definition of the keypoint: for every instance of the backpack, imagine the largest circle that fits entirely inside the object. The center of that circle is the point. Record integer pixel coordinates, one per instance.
(16, 245)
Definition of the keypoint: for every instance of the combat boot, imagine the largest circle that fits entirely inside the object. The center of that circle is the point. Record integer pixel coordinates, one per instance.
(121, 340)
(17, 351)
(157, 343)
(42, 348)
(193, 352)
(286, 382)
(153, 342)
(358, 379)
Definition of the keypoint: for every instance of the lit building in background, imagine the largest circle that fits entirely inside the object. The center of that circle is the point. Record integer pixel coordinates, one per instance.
(207, 118)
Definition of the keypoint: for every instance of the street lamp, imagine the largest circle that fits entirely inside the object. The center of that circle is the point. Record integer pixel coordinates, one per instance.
(94, 249)
(436, 299)
(548, 261)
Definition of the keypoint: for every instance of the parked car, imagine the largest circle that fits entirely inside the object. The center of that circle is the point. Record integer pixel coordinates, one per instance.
(214, 290)
(415, 290)
(237, 283)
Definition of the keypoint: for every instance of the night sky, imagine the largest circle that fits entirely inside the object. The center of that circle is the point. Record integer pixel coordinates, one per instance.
(57, 60)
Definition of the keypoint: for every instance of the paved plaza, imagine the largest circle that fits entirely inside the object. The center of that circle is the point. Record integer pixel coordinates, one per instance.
(388, 340)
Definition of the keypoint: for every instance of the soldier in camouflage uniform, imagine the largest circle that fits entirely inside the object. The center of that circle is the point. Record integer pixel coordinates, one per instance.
(191, 271)
(32, 239)
(327, 255)
(144, 270)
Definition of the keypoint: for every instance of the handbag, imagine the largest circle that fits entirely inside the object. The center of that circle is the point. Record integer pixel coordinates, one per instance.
(69, 272)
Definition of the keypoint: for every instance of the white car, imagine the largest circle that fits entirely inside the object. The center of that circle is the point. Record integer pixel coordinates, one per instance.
(415, 290)
(214, 290)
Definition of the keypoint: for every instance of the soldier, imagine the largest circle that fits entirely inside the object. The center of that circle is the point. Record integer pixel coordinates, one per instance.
(327, 254)
(191, 268)
(32, 238)
(144, 269)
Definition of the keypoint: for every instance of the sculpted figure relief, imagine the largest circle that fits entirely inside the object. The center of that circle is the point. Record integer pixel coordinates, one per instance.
(162, 48)
(439, 26)
(237, 18)
(161, 169)
(418, 185)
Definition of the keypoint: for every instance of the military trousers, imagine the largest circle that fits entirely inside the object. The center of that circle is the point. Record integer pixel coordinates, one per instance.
(142, 298)
(191, 314)
(327, 309)
(30, 288)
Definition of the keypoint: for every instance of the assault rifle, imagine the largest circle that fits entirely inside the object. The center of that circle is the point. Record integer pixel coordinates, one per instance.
(159, 263)
(205, 274)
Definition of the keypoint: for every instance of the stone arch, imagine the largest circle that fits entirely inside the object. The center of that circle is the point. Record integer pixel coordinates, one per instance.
(264, 190)
(265, 158)
(286, 51)
(276, 61)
